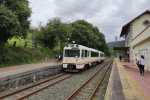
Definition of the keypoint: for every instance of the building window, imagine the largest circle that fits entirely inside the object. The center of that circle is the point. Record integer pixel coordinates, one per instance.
(146, 22)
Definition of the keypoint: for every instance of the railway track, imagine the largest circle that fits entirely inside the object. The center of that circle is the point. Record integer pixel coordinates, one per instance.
(37, 87)
(90, 87)
(85, 92)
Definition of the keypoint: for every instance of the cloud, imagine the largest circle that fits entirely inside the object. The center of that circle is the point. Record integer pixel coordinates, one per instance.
(42, 11)
(108, 15)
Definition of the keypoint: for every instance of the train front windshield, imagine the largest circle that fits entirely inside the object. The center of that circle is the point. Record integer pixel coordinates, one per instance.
(72, 53)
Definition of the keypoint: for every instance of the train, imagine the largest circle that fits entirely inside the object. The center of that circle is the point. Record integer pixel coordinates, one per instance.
(78, 57)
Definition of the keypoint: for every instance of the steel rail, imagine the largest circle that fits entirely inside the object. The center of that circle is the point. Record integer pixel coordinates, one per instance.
(100, 83)
(75, 93)
(36, 91)
(31, 86)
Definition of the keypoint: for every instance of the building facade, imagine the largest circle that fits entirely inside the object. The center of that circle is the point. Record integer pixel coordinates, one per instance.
(137, 38)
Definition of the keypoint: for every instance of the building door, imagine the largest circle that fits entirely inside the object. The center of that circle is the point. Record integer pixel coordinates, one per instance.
(144, 52)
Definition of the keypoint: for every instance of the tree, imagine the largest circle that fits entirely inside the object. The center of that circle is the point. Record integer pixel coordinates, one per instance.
(9, 24)
(56, 34)
(86, 34)
(53, 34)
(81, 32)
(14, 10)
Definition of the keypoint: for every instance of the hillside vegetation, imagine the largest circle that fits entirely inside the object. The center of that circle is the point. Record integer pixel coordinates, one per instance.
(17, 55)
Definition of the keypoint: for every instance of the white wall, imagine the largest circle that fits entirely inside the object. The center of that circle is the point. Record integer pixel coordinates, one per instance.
(139, 43)
(138, 26)
(143, 49)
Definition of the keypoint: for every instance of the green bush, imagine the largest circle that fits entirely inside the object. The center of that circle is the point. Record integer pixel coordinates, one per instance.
(18, 55)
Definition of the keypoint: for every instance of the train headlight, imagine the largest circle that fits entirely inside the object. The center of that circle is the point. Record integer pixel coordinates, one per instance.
(64, 65)
(79, 66)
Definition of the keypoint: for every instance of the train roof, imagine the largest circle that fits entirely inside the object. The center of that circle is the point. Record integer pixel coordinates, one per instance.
(76, 46)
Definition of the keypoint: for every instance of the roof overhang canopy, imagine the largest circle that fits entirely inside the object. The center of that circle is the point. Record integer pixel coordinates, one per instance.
(121, 48)
(125, 30)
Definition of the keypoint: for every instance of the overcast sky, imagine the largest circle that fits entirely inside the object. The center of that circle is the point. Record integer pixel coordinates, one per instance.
(108, 15)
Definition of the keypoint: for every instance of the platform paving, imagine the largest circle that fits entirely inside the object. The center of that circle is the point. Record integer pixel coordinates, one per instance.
(127, 84)
(143, 81)
(12, 70)
(114, 89)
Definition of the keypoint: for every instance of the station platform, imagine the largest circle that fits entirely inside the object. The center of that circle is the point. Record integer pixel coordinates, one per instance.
(13, 70)
(125, 83)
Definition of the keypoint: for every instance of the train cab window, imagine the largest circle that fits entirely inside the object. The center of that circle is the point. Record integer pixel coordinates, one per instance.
(72, 53)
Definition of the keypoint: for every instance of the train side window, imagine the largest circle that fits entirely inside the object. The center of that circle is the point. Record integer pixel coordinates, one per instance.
(86, 53)
(94, 54)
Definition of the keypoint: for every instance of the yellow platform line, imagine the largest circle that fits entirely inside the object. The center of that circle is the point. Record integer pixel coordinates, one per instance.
(131, 88)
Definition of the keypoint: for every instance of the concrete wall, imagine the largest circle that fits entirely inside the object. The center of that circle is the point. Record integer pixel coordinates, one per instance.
(138, 26)
(143, 49)
(128, 39)
(141, 38)
(18, 80)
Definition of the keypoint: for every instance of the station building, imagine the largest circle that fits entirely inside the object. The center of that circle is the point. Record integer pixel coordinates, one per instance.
(137, 37)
